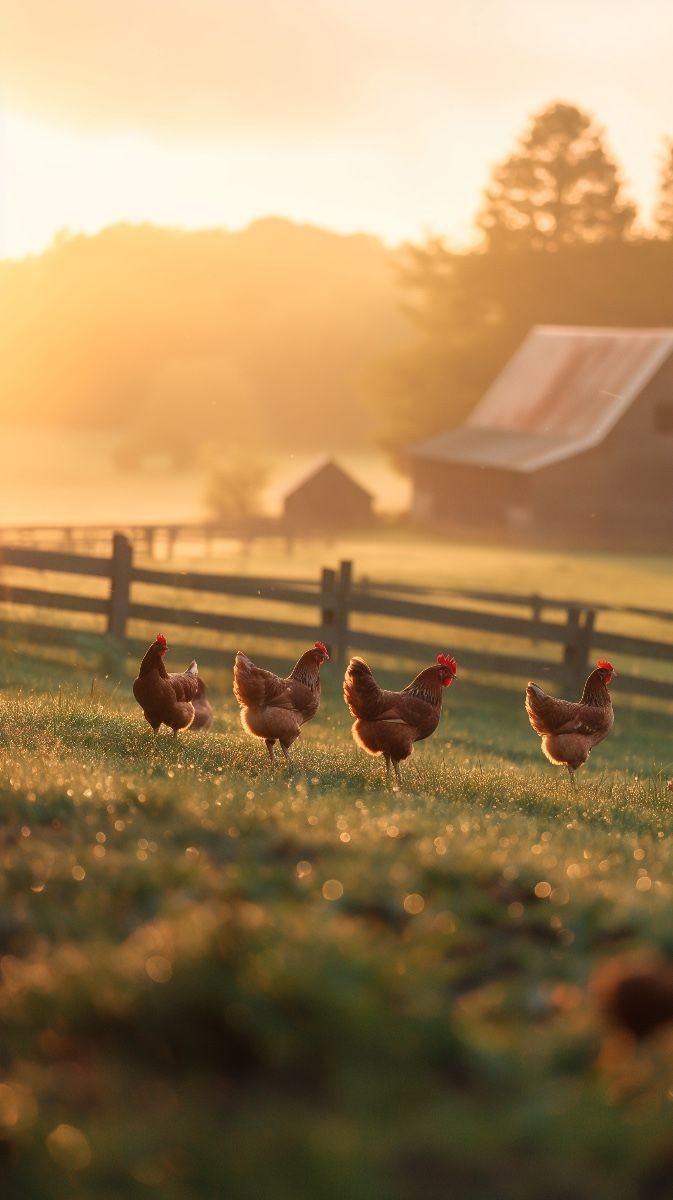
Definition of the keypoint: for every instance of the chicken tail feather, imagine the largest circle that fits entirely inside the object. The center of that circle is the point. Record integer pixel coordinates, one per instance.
(537, 704)
(361, 691)
(249, 681)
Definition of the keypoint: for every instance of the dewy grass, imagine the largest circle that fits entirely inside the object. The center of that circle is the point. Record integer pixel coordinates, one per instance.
(222, 979)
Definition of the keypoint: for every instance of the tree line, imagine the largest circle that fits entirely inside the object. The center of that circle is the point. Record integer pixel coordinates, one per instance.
(559, 244)
(283, 337)
(178, 341)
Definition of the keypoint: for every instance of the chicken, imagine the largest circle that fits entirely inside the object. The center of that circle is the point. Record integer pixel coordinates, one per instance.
(635, 994)
(570, 729)
(273, 708)
(168, 699)
(389, 723)
(203, 710)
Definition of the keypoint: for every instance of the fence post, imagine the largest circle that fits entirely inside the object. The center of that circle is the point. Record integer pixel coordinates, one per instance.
(586, 638)
(577, 645)
(342, 613)
(121, 566)
(328, 608)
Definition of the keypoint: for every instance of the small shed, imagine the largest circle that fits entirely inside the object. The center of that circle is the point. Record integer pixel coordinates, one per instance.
(574, 439)
(328, 498)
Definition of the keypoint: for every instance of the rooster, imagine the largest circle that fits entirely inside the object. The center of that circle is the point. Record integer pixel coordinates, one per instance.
(570, 729)
(166, 699)
(389, 723)
(273, 708)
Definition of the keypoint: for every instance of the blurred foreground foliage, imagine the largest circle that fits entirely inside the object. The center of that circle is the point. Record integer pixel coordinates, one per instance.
(215, 980)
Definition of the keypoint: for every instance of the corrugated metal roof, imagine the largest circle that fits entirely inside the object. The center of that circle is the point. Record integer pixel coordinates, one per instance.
(506, 449)
(560, 394)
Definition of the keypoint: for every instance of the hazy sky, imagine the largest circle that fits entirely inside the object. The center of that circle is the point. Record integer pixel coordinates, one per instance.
(379, 115)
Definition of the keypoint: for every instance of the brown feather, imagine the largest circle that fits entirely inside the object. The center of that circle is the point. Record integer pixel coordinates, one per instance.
(273, 707)
(166, 699)
(389, 722)
(571, 729)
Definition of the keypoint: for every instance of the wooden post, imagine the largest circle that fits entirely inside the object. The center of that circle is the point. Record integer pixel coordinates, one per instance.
(570, 646)
(586, 638)
(342, 614)
(577, 645)
(121, 566)
(328, 609)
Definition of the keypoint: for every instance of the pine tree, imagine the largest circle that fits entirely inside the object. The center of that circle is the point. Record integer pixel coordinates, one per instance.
(663, 213)
(558, 188)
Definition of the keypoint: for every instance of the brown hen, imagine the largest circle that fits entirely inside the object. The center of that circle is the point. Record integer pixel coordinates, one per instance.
(203, 709)
(388, 722)
(274, 708)
(570, 729)
(635, 993)
(167, 699)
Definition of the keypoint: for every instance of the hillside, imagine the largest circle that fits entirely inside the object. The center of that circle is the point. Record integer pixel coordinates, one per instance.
(264, 334)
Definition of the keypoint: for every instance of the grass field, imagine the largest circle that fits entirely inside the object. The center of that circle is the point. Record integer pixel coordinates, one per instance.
(221, 981)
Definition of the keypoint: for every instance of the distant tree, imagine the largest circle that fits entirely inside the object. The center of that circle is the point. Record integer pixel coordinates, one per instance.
(473, 310)
(663, 213)
(234, 488)
(458, 313)
(558, 187)
(173, 339)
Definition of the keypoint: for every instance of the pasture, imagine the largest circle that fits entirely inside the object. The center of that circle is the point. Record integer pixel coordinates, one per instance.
(218, 980)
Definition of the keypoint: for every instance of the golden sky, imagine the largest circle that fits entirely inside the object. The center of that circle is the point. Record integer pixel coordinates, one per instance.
(377, 115)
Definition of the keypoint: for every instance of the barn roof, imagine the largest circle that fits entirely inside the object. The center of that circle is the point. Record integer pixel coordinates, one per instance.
(560, 394)
(329, 471)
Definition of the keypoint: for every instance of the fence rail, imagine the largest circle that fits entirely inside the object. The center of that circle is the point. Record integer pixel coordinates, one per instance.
(558, 649)
(157, 540)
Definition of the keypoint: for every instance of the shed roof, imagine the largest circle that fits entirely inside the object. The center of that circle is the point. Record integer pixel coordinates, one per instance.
(329, 471)
(561, 393)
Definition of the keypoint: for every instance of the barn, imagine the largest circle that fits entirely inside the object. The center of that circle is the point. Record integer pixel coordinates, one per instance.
(328, 498)
(573, 440)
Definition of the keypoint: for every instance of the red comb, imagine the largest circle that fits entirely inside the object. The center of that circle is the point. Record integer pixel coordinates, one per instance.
(161, 639)
(447, 660)
(321, 647)
(606, 666)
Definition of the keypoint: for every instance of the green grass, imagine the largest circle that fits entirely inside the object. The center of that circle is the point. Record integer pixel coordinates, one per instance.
(184, 1013)
(410, 556)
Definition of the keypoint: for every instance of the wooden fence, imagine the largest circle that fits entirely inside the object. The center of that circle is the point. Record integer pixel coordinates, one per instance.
(559, 649)
(158, 540)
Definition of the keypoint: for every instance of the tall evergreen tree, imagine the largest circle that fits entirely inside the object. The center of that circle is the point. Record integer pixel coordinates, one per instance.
(559, 187)
(663, 213)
